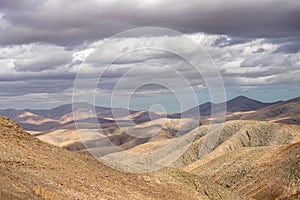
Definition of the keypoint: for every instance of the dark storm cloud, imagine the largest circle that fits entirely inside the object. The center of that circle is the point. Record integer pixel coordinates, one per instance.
(19, 88)
(291, 47)
(269, 71)
(260, 50)
(270, 60)
(40, 76)
(8, 4)
(55, 38)
(41, 63)
(281, 40)
(224, 41)
(72, 22)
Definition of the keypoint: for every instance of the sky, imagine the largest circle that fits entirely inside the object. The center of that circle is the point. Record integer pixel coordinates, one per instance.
(142, 54)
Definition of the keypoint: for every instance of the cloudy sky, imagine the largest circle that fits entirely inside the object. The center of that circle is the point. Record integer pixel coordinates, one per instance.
(253, 46)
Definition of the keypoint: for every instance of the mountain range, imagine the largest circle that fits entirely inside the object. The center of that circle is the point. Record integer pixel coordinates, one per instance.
(56, 126)
(238, 108)
(250, 160)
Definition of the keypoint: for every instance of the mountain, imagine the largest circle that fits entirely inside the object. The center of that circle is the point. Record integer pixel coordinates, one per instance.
(238, 104)
(44, 120)
(282, 112)
(32, 169)
(242, 103)
(58, 113)
(238, 108)
(243, 108)
(56, 126)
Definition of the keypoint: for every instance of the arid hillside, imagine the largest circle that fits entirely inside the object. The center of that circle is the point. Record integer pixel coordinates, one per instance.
(258, 159)
(268, 172)
(32, 169)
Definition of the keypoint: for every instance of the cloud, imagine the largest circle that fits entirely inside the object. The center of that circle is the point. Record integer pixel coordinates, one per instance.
(71, 23)
(260, 50)
(36, 61)
(224, 41)
(41, 58)
(243, 58)
(41, 70)
(289, 48)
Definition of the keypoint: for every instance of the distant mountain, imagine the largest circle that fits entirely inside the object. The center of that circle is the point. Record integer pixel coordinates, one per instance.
(281, 112)
(60, 111)
(43, 120)
(242, 103)
(240, 107)
(238, 104)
